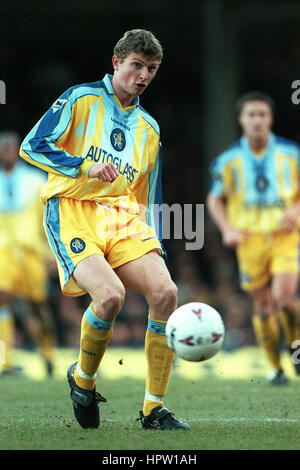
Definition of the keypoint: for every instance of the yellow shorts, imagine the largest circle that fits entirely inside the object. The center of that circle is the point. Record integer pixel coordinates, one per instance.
(78, 229)
(261, 256)
(23, 273)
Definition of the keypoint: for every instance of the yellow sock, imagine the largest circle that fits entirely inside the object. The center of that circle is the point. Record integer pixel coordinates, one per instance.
(150, 404)
(6, 336)
(95, 337)
(159, 365)
(289, 321)
(266, 330)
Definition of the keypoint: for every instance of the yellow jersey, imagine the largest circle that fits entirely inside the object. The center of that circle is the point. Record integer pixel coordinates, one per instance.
(21, 211)
(257, 188)
(86, 125)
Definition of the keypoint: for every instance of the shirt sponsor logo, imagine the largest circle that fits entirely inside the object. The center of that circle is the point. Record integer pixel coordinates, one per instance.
(262, 204)
(96, 154)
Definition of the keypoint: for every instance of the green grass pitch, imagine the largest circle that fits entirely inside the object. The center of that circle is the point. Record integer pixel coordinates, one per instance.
(225, 400)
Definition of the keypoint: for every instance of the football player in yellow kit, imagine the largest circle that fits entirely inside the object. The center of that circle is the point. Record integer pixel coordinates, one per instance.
(103, 154)
(23, 250)
(254, 200)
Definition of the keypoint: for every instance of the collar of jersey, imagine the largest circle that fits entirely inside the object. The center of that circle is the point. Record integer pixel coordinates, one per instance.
(269, 147)
(107, 82)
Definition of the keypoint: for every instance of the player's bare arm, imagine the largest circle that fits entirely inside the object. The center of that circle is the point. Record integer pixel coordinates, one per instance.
(231, 237)
(105, 172)
(290, 218)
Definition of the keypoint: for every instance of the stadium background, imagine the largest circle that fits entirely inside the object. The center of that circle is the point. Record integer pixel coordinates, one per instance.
(214, 51)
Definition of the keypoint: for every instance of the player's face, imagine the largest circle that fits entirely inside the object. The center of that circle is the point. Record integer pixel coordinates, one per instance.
(8, 153)
(256, 119)
(132, 75)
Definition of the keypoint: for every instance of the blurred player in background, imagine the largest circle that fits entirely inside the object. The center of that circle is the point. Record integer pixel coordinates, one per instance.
(103, 154)
(23, 250)
(255, 202)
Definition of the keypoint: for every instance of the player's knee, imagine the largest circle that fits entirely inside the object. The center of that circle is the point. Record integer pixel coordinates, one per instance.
(114, 300)
(284, 300)
(110, 302)
(262, 302)
(165, 299)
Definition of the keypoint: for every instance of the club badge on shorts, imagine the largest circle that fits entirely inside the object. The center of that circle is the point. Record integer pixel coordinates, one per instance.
(77, 245)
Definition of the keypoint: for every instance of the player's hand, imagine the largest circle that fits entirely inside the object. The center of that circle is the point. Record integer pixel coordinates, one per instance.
(289, 219)
(232, 237)
(105, 172)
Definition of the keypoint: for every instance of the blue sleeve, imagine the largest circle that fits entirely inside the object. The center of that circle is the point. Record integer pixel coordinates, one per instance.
(217, 181)
(155, 209)
(39, 146)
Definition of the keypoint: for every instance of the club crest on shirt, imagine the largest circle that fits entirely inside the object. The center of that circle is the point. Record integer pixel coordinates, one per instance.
(77, 245)
(261, 183)
(117, 139)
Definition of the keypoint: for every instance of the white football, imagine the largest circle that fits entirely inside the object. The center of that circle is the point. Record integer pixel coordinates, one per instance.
(195, 332)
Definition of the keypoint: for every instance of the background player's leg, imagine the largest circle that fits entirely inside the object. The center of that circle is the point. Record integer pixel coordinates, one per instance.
(266, 326)
(149, 276)
(95, 276)
(6, 330)
(44, 333)
(284, 288)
